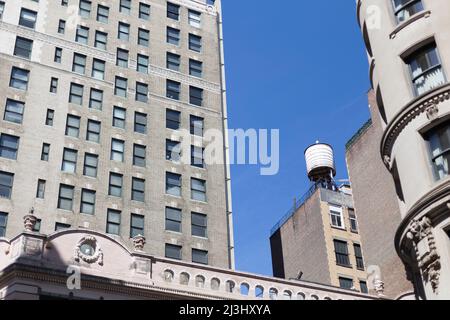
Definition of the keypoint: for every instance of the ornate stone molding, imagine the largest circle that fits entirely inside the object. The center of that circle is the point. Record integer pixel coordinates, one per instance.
(139, 242)
(96, 255)
(29, 221)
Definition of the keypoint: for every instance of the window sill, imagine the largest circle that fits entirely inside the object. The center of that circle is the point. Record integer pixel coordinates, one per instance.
(349, 266)
(404, 24)
(338, 228)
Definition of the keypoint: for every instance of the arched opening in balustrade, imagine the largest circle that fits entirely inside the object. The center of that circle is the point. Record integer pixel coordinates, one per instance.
(287, 295)
(230, 286)
(245, 288)
(301, 296)
(259, 292)
(200, 281)
(215, 284)
(184, 278)
(327, 298)
(314, 297)
(169, 275)
(273, 293)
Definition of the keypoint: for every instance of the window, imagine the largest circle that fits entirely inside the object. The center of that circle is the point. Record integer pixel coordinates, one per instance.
(82, 35)
(138, 189)
(173, 184)
(197, 159)
(19, 78)
(195, 43)
(353, 221)
(144, 11)
(101, 40)
(143, 37)
(53, 85)
(197, 125)
(397, 183)
(124, 31)
(96, 99)
(73, 126)
(139, 152)
(37, 226)
(173, 89)
(113, 222)
(136, 226)
(173, 119)
(404, 9)
(87, 201)
(64, 3)
(119, 115)
(439, 145)
(93, 131)
(141, 92)
(79, 63)
(2, 9)
(199, 224)
(76, 93)
(3, 223)
(98, 69)
(6, 184)
(14, 111)
(173, 252)
(140, 122)
(142, 63)
(27, 18)
(58, 55)
(122, 58)
(426, 69)
(173, 150)
(9, 145)
(23, 47)
(199, 256)
(363, 286)
(117, 150)
(90, 165)
(120, 89)
(173, 36)
(102, 14)
(173, 11)
(196, 96)
(198, 190)
(69, 163)
(65, 198)
(173, 61)
(85, 8)
(45, 153)
(195, 68)
(49, 117)
(173, 219)
(341, 251)
(194, 18)
(346, 283)
(61, 26)
(337, 219)
(125, 6)
(61, 226)
(359, 256)
(115, 184)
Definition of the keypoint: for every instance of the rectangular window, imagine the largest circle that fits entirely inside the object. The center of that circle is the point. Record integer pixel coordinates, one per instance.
(138, 189)
(143, 37)
(53, 85)
(197, 158)
(141, 92)
(37, 226)
(353, 221)
(173, 61)
(198, 190)
(2, 9)
(199, 225)
(363, 286)
(144, 11)
(76, 94)
(173, 36)
(124, 31)
(45, 153)
(404, 9)
(341, 251)
(194, 18)
(19, 78)
(140, 122)
(90, 165)
(65, 198)
(98, 69)
(173, 11)
(346, 283)
(125, 6)
(14, 111)
(85, 8)
(195, 68)
(173, 150)
(9, 145)
(439, 151)
(136, 225)
(199, 256)
(115, 184)
(197, 126)
(102, 14)
(87, 201)
(195, 43)
(27, 18)
(61, 26)
(6, 184)
(121, 87)
(173, 252)
(173, 184)
(195, 96)
(3, 222)
(96, 99)
(117, 150)
(49, 117)
(69, 163)
(139, 152)
(23, 47)
(113, 222)
(173, 89)
(58, 55)
(73, 126)
(359, 256)
(82, 35)
(122, 58)
(93, 131)
(173, 120)
(337, 219)
(101, 40)
(61, 226)
(173, 219)
(142, 63)
(119, 116)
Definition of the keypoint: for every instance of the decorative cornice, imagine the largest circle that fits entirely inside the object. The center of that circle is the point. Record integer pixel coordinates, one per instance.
(422, 14)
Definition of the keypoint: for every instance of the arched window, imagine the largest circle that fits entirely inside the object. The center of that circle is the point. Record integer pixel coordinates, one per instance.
(259, 292)
(168, 275)
(273, 293)
(200, 281)
(301, 296)
(215, 284)
(230, 286)
(184, 278)
(245, 288)
(287, 295)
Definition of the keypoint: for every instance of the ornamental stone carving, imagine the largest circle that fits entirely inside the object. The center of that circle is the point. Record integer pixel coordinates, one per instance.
(378, 286)
(432, 111)
(89, 251)
(139, 242)
(29, 221)
(420, 232)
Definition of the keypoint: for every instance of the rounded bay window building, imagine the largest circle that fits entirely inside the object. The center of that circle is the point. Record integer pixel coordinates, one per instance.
(408, 47)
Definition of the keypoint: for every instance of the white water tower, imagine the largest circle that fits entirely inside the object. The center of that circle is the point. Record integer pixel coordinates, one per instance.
(320, 162)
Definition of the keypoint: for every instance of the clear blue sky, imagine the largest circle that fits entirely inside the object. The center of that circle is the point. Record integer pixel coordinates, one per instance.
(301, 67)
